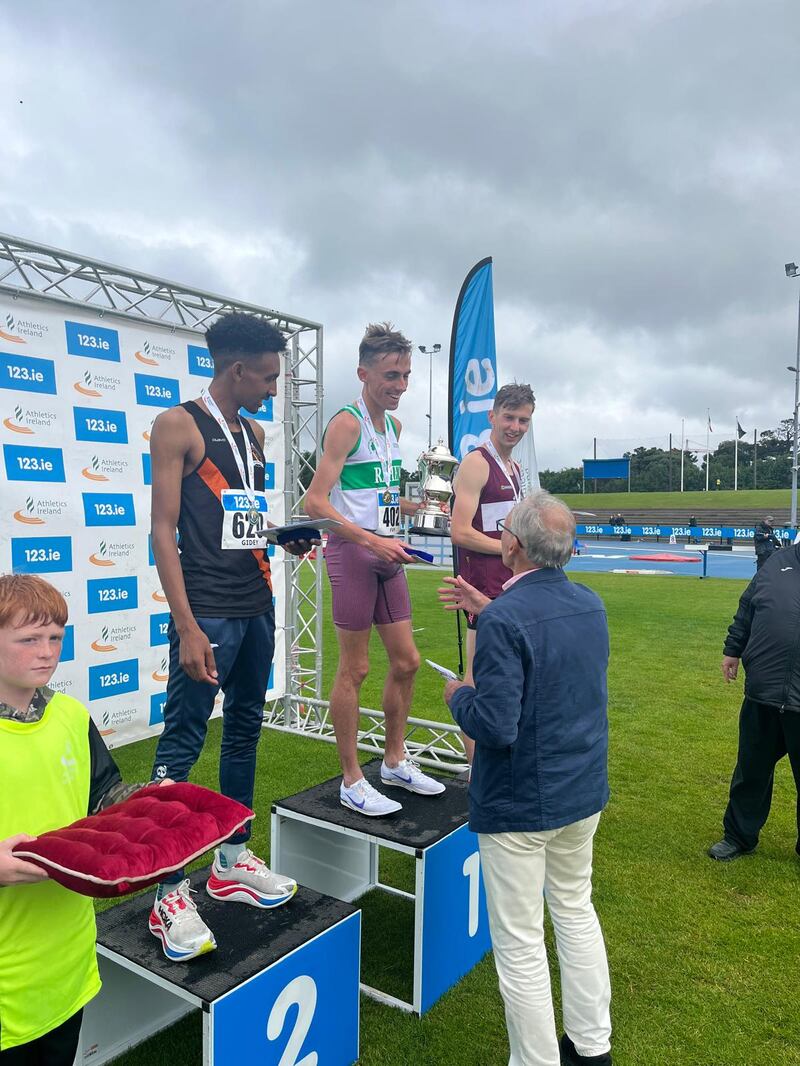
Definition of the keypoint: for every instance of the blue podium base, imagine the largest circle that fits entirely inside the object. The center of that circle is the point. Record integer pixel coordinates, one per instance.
(265, 962)
(336, 850)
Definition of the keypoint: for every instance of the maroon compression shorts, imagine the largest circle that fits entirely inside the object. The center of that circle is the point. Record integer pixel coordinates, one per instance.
(365, 591)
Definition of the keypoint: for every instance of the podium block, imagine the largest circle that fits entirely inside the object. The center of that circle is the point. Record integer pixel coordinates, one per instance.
(283, 982)
(336, 851)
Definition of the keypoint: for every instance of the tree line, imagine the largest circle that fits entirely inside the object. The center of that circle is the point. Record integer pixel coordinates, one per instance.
(765, 465)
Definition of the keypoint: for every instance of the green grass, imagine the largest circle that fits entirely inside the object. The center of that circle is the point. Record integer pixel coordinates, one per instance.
(759, 500)
(704, 957)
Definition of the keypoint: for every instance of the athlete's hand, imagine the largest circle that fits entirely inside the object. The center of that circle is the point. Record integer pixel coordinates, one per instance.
(300, 547)
(14, 871)
(197, 656)
(730, 667)
(461, 596)
(389, 550)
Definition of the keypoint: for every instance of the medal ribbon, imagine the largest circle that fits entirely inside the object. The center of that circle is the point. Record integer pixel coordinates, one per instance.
(496, 456)
(248, 480)
(386, 464)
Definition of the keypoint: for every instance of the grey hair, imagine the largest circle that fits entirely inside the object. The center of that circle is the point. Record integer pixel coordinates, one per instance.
(545, 527)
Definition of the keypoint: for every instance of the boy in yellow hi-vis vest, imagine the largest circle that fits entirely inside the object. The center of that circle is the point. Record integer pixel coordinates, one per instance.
(54, 769)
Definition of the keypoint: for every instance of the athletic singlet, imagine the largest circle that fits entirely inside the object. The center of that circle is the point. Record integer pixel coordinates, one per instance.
(355, 494)
(219, 584)
(487, 572)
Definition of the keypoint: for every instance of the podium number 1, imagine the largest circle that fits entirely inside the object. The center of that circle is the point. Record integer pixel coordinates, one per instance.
(472, 870)
(302, 993)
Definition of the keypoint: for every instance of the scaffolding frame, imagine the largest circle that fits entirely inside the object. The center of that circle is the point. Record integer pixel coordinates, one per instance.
(32, 270)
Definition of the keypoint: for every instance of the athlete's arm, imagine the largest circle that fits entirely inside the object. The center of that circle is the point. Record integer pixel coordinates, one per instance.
(340, 439)
(469, 483)
(169, 445)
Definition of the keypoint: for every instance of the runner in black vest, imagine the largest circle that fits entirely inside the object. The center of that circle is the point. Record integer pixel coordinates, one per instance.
(208, 483)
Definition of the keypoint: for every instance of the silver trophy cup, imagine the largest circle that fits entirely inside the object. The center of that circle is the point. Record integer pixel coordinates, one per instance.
(436, 468)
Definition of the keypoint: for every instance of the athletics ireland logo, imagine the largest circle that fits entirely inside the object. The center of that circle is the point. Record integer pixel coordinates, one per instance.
(10, 332)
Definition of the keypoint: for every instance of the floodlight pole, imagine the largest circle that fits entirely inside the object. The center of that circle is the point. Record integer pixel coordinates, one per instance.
(793, 514)
(792, 272)
(430, 352)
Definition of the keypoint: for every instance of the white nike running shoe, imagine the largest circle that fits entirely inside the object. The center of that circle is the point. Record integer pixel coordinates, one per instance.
(175, 921)
(365, 799)
(250, 881)
(409, 776)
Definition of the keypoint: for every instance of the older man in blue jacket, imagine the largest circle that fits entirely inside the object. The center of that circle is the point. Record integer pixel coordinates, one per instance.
(538, 715)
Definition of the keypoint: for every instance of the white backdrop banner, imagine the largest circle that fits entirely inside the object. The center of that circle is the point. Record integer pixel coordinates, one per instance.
(78, 395)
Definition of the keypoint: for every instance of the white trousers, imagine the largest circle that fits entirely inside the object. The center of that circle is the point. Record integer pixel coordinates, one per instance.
(520, 871)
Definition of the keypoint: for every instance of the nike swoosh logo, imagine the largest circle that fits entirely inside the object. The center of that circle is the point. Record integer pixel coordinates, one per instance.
(356, 803)
(785, 568)
(400, 776)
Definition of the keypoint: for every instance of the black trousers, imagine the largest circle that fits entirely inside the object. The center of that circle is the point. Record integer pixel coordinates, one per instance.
(766, 734)
(56, 1048)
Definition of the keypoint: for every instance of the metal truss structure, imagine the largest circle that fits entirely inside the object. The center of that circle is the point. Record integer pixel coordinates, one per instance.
(34, 270)
(435, 744)
(37, 271)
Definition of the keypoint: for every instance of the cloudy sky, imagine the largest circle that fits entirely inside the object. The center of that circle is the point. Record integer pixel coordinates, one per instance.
(631, 165)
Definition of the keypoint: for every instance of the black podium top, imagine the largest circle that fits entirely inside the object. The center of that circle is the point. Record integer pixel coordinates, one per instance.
(248, 939)
(423, 821)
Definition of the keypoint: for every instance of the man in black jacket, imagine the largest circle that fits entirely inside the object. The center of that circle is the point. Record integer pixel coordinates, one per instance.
(765, 541)
(765, 635)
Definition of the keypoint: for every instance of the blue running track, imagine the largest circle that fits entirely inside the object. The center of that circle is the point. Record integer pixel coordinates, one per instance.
(605, 557)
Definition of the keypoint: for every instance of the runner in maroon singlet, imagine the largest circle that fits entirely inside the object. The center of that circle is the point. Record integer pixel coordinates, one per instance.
(486, 486)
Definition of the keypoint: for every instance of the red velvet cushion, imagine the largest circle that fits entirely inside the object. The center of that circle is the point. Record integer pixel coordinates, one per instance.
(134, 844)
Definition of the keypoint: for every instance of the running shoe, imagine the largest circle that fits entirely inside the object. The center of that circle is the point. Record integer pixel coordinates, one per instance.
(365, 799)
(175, 921)
(409, 776)
(249, 881)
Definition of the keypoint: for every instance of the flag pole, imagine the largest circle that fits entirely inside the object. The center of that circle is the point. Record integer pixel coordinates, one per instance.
(736, 457)
(708, 444)
(682, 449)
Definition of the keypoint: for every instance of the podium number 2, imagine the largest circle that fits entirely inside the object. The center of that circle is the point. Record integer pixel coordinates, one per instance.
(302, 993)
(472, 870)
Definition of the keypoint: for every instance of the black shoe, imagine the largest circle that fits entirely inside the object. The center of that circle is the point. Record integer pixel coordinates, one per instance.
(570, 1057)
(724, 851)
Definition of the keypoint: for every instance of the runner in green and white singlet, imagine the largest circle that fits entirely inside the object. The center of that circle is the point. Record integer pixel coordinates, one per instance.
(361, 493)
(357, 482)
